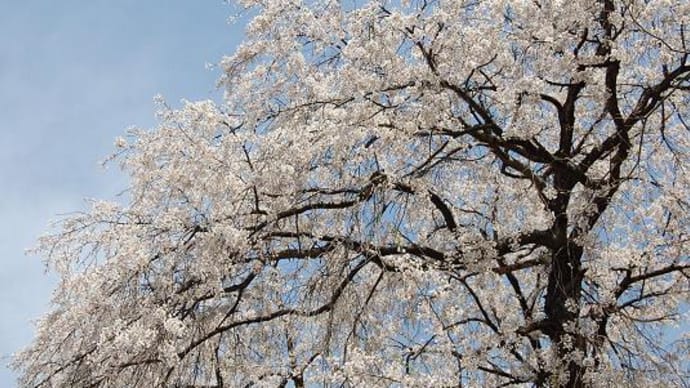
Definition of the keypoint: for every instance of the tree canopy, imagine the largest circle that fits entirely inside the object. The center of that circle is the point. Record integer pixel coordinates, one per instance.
(397, 193)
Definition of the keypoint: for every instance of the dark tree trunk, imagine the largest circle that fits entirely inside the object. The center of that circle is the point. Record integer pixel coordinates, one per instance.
(564, 286)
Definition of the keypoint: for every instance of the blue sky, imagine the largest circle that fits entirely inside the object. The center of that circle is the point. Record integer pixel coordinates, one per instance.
(73, 76)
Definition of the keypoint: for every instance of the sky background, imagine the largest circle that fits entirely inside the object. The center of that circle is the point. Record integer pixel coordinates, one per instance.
(73, 76)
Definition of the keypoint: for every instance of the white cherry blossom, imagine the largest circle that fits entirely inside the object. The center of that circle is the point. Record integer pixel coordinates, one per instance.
(397, 193)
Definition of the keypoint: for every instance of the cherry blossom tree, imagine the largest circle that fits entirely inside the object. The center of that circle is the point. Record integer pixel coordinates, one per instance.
(398, 193)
